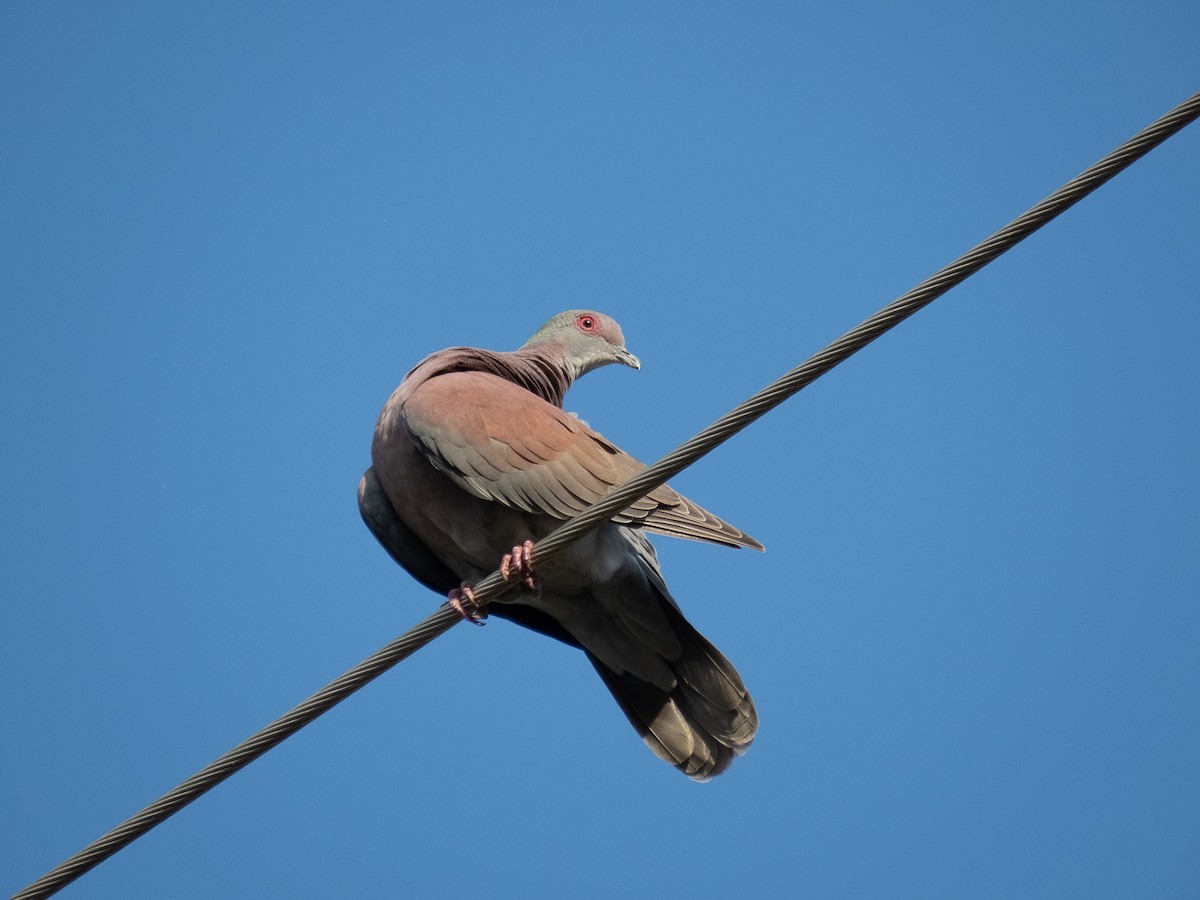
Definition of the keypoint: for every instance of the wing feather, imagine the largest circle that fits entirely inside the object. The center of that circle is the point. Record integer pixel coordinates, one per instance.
(503, 443)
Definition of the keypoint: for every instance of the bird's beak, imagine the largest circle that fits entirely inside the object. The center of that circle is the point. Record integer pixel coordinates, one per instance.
(625, 358)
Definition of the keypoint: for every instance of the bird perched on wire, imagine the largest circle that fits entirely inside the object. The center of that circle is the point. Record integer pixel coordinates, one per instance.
(474, 458)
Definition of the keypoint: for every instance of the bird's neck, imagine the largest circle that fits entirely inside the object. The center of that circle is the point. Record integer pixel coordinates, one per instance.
(538, 375)
(533, 371)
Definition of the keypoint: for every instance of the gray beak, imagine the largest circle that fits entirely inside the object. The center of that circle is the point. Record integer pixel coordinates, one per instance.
(625, 358)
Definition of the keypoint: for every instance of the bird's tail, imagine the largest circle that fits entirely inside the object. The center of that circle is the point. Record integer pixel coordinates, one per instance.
(705, 720)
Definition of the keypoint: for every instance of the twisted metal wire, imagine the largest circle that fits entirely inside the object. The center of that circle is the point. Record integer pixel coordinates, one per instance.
(241, 755)
(670, 465)
(887, 318)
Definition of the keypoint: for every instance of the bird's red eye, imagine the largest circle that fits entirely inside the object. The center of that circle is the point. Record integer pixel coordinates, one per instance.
(588, 324)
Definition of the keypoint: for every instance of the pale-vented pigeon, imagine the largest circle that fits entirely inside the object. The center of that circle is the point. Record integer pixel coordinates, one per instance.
(474, 455)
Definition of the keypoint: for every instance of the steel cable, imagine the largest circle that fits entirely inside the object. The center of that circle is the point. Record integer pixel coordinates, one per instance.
(653, 476)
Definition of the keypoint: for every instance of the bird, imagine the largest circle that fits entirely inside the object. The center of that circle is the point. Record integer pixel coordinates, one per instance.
(473, 460)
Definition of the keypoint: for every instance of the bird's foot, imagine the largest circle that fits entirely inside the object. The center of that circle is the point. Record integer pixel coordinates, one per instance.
(519, 563)
(462, 601)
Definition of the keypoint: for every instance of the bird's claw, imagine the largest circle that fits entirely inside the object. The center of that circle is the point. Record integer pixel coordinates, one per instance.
(517, 565)
(520, 563)
(462, 601)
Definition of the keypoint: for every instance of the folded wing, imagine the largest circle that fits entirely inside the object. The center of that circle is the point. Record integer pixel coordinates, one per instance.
(502, 443)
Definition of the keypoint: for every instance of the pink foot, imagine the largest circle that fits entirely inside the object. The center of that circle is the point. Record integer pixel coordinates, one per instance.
(520, 563)
(462, 601)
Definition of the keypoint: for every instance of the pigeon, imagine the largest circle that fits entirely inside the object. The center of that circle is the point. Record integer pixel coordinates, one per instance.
(474, 459)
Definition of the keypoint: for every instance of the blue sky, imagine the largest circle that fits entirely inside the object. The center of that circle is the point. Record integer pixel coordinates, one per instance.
(228, 230)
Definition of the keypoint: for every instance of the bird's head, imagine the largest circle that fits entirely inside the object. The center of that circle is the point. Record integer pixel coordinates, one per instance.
(584, 340)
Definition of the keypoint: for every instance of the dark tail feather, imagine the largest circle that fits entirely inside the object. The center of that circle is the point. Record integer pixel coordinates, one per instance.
(700, 725)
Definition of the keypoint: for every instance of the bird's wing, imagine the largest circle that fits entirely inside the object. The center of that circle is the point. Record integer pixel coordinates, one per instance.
(502, 443)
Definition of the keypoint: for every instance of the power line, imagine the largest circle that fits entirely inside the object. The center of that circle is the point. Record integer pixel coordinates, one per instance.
(670, 465)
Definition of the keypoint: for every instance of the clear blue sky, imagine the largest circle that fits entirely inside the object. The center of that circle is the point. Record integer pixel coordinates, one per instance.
(226, 232)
